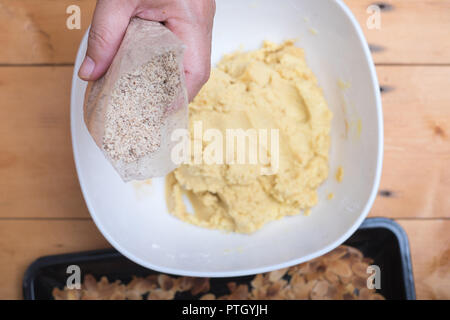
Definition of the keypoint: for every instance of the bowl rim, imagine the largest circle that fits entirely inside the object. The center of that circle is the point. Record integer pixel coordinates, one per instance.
(244, 272)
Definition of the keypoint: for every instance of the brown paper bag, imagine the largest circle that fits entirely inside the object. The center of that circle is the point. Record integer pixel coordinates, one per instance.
(133, 109)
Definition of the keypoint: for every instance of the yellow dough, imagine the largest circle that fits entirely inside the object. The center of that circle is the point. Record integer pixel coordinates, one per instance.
(269, 88)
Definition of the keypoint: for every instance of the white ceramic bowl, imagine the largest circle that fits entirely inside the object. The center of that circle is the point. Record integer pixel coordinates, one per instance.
(136, 221)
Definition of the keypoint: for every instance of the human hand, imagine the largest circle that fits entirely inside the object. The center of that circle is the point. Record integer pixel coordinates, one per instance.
(190, 20)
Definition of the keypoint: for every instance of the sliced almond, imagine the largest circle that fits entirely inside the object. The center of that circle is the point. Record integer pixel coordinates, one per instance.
(89, 283)
(185, 283)
(139, 286)
(160, 294)
(302, 292)
(354, 252)
(320, 290)
(332, 277)
(166, 282)
(277, 274)
(340, 268)
(336, 254)
(200, 285)
(360, 269)
(208, 296)
(257, 281)
(359, 282)
(240, 293)
(340, 274)
(376, 296)
(364, 294)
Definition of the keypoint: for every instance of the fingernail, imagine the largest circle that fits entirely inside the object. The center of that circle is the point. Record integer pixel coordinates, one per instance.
(86, 69)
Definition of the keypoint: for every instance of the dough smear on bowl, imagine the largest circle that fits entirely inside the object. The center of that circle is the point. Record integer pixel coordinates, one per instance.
(269, 88)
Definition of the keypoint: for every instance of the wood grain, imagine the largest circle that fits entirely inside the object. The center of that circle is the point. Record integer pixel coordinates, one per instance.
(22, 242)
(35, 31)
(430, 251)
(416, 176)
(36, 163)
(412, 31)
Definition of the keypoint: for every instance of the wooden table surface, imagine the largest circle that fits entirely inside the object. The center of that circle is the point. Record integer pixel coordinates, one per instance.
(42, 209)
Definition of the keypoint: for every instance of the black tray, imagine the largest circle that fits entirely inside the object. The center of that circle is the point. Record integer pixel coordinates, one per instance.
(381, 239)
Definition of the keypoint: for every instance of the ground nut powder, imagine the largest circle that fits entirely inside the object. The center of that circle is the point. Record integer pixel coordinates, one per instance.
(137, 106)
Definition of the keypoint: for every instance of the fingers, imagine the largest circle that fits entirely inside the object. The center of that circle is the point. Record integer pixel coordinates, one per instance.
(197, 61)
(110, 21)
(191, 22)
(195, 30)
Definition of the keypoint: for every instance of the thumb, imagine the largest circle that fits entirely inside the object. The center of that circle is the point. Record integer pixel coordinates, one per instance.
(110, 21)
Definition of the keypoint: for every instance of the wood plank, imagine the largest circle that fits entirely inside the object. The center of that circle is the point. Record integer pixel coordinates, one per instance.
(430, 251)
(416, 179)
(43, 237)
(36, 163)
(412, 31)
(35, 31)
